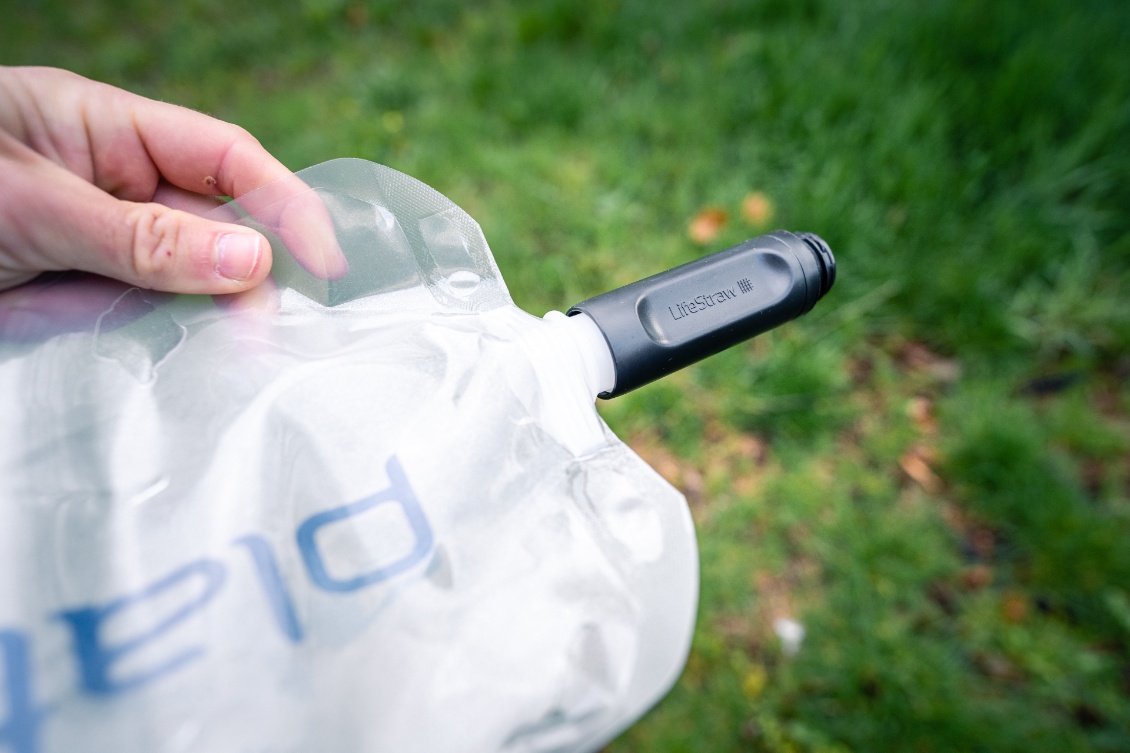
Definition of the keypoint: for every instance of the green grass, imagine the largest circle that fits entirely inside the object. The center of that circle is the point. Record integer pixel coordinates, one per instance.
(932, 470)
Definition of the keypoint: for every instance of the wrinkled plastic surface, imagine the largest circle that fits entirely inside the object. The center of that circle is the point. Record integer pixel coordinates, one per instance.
(371, 510)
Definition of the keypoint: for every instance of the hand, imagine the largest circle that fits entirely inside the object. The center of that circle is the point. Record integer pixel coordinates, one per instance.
(97, 179)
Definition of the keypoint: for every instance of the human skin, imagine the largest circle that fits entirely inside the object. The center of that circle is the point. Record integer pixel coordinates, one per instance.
(96, 179)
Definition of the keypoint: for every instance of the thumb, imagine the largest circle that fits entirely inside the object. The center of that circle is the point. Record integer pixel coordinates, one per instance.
(59, 221)
(160, 248)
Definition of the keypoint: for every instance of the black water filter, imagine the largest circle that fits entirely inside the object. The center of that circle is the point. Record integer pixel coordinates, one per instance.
(675, 318)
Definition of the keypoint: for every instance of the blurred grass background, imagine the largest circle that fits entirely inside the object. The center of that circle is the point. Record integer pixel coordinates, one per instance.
(931, 472)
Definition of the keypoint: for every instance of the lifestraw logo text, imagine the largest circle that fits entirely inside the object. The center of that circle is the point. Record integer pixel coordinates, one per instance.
(708, 300)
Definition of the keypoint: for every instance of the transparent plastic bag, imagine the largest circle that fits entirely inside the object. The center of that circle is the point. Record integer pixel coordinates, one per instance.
(363, 510)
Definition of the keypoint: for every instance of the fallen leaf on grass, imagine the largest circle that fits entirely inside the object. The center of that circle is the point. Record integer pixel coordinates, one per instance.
(920, 410)
(757, 209)
(1014, 607)
(707, 224)
(976, 577)
(914, 464)
(917, 357)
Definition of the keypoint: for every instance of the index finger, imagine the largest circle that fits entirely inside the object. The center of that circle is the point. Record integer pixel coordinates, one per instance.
(199, 153)
(123, 142)
(127, 145)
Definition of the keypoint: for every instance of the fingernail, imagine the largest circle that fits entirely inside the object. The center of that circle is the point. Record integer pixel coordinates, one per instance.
(237, 255)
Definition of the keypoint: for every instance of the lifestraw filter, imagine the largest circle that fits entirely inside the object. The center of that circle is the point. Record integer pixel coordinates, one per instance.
(673, 319)
(368, 508)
